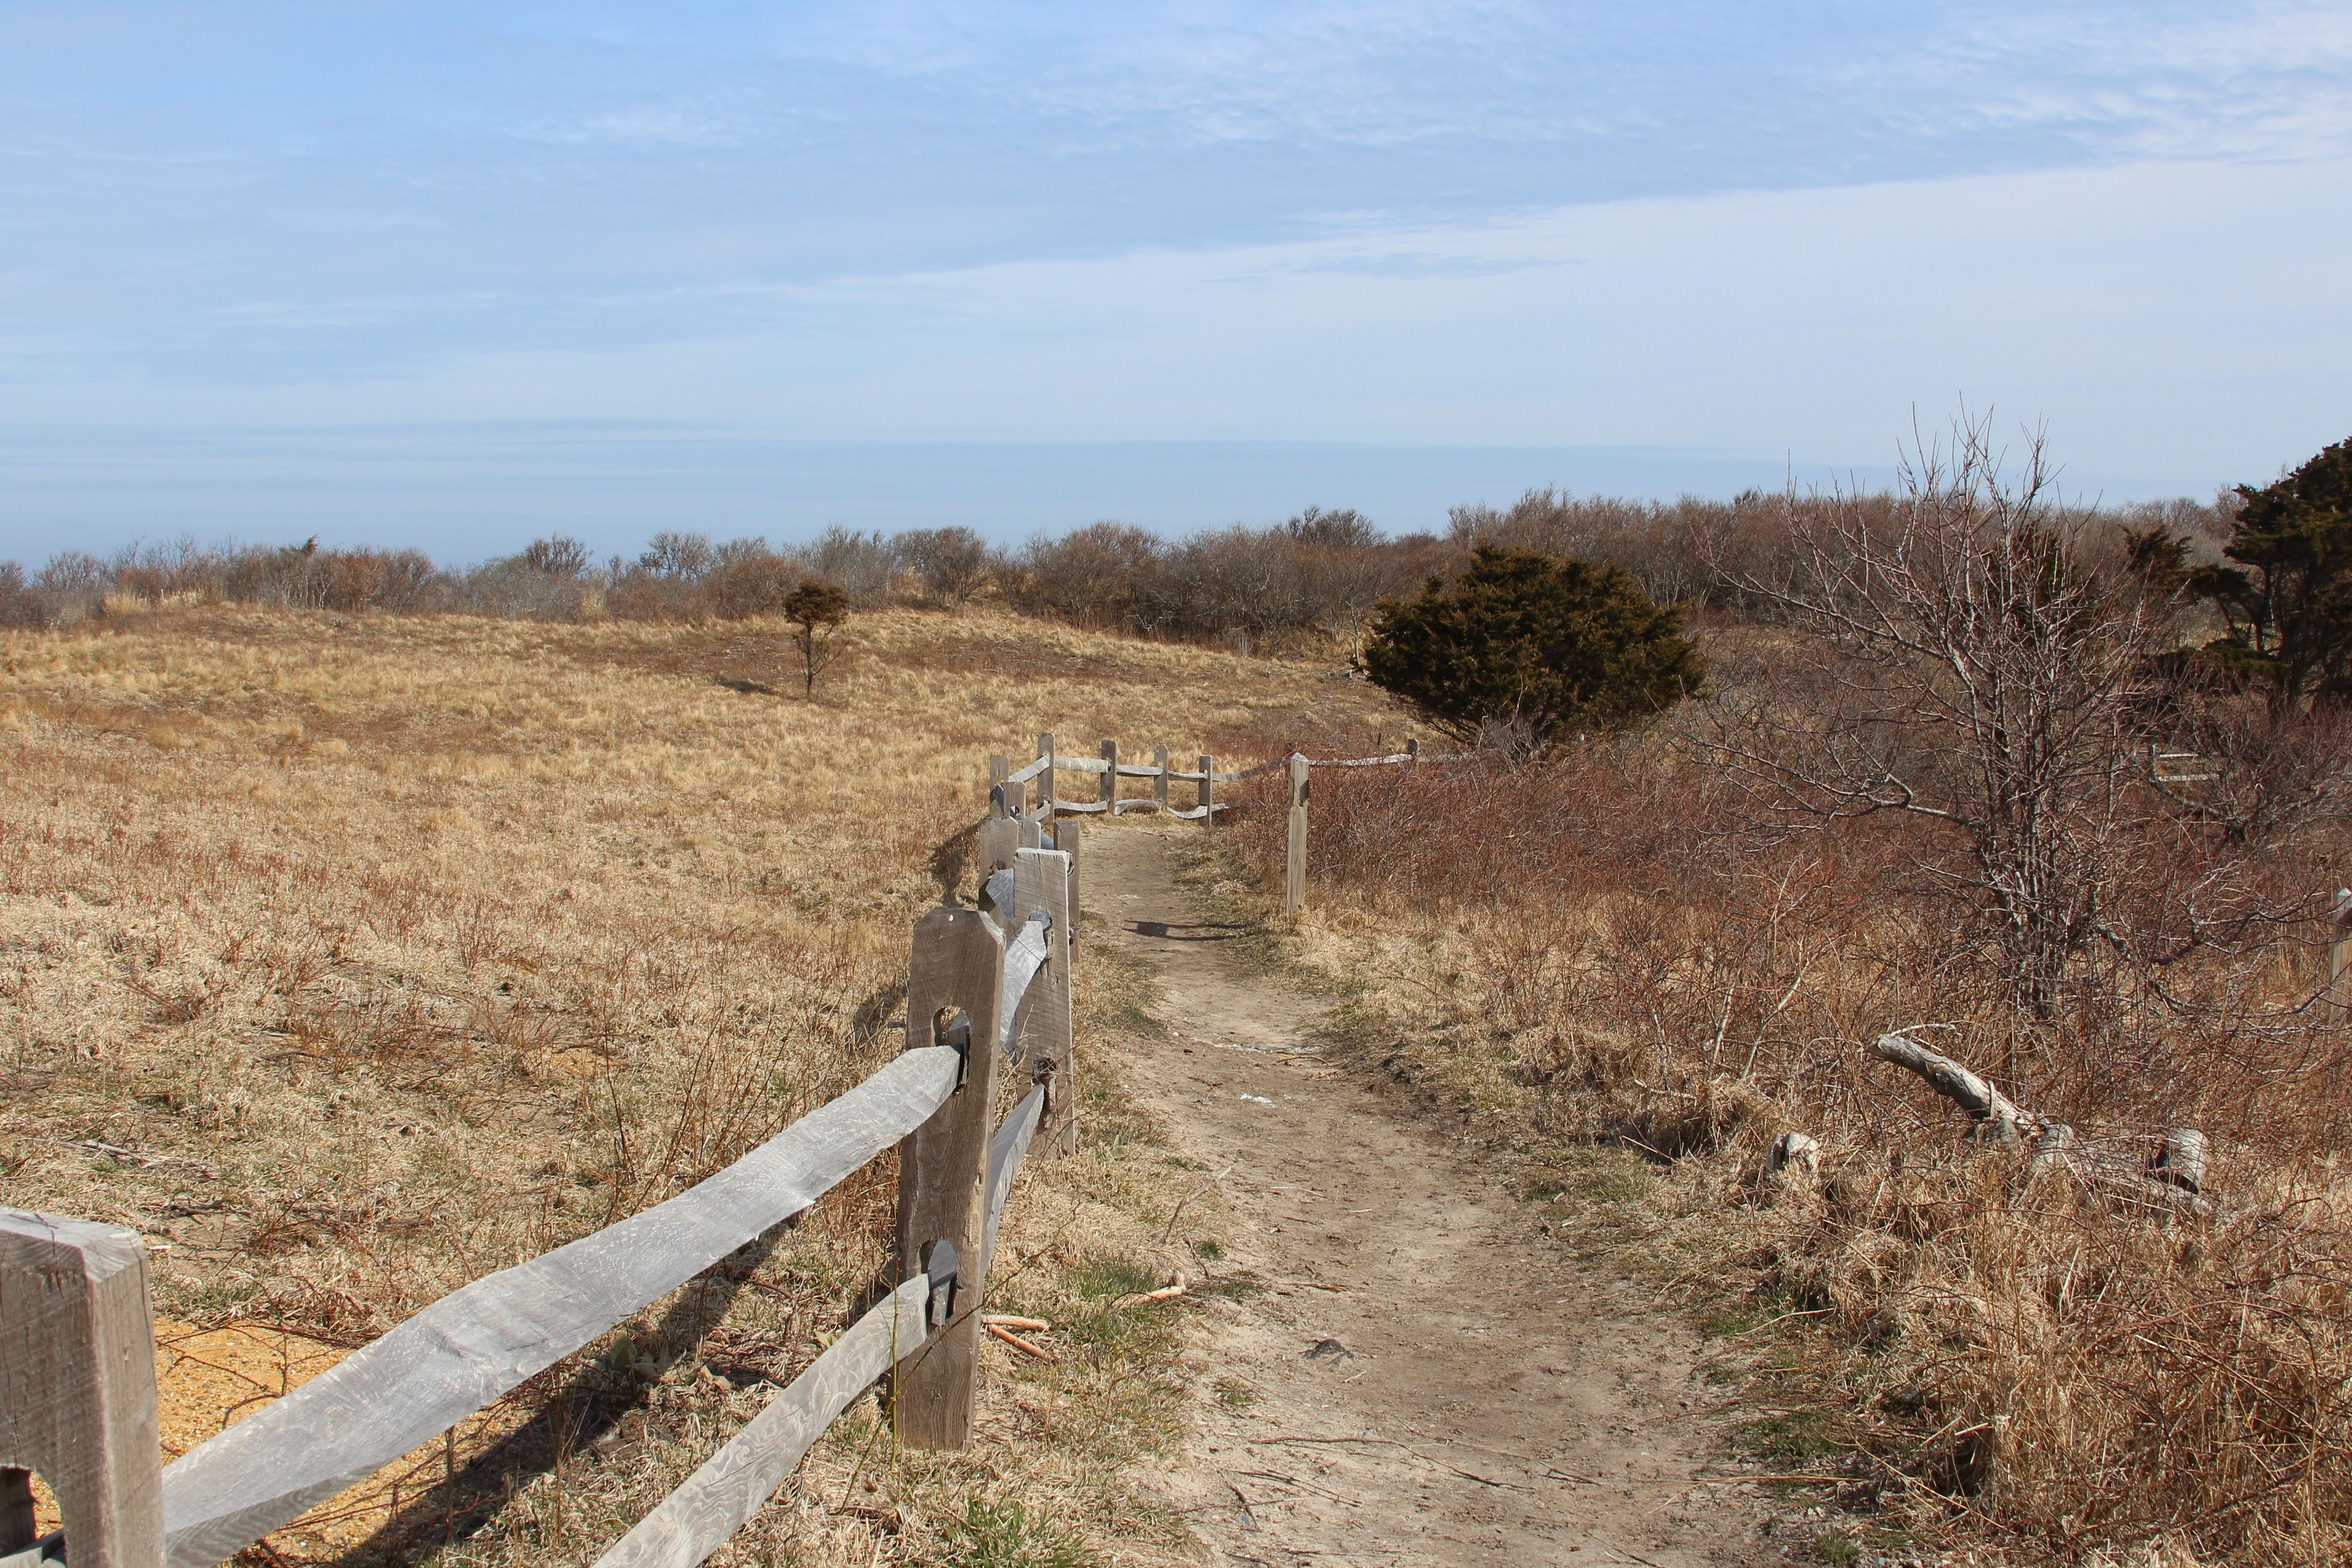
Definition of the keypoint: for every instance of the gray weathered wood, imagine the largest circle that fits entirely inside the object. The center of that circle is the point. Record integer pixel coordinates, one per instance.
(1024, 955)
(1049, 790)
(1077, 766)
(1032, 830)
(78, 1386)
(1005, 1153)
(1795, 1155)
(1993, 1113)
(1109, 792)
(2181, 1161)
(999, 770)
(1070, 838)
(1293, 879)
(482, 1340)
(731, 1486)
(1042, 886)
(1026, 771)
(1089, 807)
(954, 981)
(998, 838)
(1208, 791)
(1159, 784)
(996, 893)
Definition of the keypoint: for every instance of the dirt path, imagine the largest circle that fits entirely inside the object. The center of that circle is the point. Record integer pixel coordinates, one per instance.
(1473, 1396)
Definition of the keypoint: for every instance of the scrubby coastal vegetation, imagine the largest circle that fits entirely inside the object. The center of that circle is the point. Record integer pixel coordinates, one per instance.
(370, 923)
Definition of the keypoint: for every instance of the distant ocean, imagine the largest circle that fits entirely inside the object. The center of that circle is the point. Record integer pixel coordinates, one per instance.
(463, 492)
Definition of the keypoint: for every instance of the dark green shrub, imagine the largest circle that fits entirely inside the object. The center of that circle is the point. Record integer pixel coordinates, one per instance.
(1521, 649)
(2288, 599)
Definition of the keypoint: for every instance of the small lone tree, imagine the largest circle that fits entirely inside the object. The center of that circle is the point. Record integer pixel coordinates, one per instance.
(816, 611)
(1522, 649)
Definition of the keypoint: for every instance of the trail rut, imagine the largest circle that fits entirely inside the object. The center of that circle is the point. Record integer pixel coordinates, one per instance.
(1470, 1394)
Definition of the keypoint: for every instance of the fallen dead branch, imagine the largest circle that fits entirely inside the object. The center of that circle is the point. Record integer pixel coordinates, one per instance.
(1017, 1342)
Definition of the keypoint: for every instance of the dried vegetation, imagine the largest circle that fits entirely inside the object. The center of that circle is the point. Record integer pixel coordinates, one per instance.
(1635, 966)
(350, 958)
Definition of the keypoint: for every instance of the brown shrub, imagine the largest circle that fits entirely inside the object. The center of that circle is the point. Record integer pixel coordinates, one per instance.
(1614, 948)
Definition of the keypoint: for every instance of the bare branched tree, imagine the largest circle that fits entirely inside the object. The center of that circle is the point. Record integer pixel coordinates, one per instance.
(1978, 676)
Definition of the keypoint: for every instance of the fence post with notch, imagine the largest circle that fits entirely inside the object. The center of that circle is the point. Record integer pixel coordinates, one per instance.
(1160, 779)
(1108, 794)
(1294, 880)
(1070, 838)
(954, 990)
(1042, 886)
(1049, 791)
(1208, 791)
(78, 1390)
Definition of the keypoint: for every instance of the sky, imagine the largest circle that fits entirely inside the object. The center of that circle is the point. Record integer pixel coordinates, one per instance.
(455, 276)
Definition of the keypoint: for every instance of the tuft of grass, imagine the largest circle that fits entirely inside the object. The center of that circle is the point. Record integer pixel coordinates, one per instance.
(1100, 1276)
(1005, 1534)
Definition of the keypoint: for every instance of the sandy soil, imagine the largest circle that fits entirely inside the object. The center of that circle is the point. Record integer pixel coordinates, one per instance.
(1469, 1393)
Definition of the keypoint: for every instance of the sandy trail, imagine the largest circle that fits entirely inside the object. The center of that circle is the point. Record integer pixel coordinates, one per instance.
(1473, 1396)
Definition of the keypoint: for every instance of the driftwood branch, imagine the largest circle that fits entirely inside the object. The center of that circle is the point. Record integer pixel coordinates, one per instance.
(1994, 1115)
(2174, 1181)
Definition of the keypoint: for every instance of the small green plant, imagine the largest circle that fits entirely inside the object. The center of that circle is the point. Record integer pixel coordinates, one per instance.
(1835, 1550)
(1003, 1534)
(1103, 1277)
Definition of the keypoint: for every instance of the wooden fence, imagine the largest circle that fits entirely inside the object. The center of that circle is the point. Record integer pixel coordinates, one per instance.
(1010, 797)
(988, 990)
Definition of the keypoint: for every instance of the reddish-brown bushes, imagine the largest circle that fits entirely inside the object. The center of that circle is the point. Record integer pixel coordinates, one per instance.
(1617, 948)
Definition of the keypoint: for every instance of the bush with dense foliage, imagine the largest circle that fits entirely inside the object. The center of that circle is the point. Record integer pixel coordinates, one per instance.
(1523, 650)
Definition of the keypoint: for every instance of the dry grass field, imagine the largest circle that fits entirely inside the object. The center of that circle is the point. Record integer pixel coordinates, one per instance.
(350, 958)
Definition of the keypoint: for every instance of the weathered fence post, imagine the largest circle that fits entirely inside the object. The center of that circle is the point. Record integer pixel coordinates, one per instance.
(1159, 780)
(1294, 881)
(1069, 837)
(1110, 793)
(999, 834)
(1041, 885)
(1208, 791)
(78, 1389)
(955, 982)
(1049, 792)
(1413, 748)
(2339, 956)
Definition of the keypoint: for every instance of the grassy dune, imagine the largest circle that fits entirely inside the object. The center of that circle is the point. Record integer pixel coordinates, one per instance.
(350, 958)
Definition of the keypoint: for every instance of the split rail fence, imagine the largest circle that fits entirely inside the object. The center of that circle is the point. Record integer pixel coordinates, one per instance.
(1011, 794)
(988, 990)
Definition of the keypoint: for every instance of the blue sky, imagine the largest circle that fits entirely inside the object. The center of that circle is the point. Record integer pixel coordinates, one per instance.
(455, 275)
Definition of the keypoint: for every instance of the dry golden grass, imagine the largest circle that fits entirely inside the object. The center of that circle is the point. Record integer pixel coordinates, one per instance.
(350, 959)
